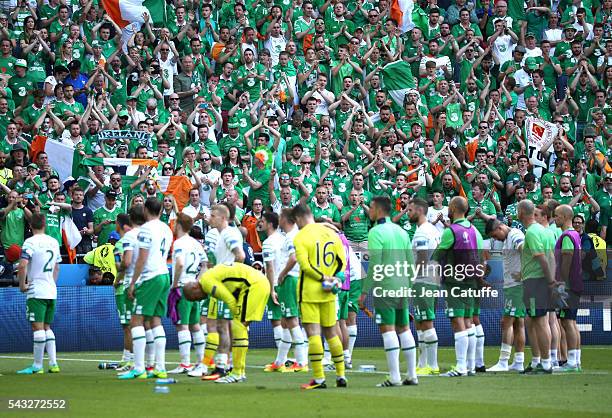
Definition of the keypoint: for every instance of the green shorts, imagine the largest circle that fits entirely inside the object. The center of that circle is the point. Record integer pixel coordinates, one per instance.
(287, 297)
(204, 306)
(343, 304)
(151, 297)
(124, 308)
(40, 310)
(514, 305)
(476, 309)
(424, 306)
(274, 310)
(354, 294)
(390, 316)
(188, 312)
(457, 305)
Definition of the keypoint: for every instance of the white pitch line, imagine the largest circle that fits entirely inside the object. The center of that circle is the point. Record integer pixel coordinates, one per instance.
(594, 373)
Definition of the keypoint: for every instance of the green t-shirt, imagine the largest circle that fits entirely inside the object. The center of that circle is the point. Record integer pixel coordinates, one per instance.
(13, 228)
(21, 87)
(262, 176)
(388, 244)
(357, 225)
(487, 207)
(102, 214)
(330, 211)
(538, 240)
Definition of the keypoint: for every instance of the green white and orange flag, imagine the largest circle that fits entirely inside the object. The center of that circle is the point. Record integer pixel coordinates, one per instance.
(125, 12)
(177, 186)
(118, 162)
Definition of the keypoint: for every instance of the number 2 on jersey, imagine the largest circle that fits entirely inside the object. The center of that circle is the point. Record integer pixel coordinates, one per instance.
(48, 265)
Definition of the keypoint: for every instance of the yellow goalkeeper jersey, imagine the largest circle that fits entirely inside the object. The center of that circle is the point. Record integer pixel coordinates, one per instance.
(227, 282)
(319, 253)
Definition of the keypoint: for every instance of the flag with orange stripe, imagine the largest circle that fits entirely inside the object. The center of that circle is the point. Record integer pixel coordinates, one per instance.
(124, 12)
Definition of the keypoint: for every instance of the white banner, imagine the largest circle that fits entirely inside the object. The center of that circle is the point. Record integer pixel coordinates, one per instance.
(539, 132)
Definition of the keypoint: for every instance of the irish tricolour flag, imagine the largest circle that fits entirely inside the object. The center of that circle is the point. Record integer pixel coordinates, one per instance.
(124, 12)
(397, 80)
(401, 12)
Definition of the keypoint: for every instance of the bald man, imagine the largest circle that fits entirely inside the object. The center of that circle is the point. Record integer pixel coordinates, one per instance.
(537, 272)
(460, 247)
(569, 274)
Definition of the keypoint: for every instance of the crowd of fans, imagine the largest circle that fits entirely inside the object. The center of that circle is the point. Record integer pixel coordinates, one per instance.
(218, 81)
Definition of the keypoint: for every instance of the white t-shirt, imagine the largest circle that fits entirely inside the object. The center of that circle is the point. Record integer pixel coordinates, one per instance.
(213, 176)
(272, 252)
(275, 46)
(192, 254)
(130, 243)
(510, 249)
(42, 253)
(288, 249)
(192, 212)
(169, 70)
(432, 216)
(426, 239)
(503, 48)
(156, 237)
(523, 79)
(229, 239)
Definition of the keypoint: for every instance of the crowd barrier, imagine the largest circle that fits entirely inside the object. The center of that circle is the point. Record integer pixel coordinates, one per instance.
(86, 317)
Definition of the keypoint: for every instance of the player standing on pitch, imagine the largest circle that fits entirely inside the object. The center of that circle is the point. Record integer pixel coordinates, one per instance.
(459, 247)
(388, 245)
(149, 288)
(510, 242)
(38, 270)
(425, 240)
(321, 257)
(188, 260)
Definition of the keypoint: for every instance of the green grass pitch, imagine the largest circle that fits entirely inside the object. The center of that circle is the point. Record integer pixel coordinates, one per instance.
(97, 393)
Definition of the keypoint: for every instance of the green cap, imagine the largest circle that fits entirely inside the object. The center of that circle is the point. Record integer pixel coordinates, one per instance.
(531, 63)
(132, 98)
(530, 35)
(123, 113)
(233, 125)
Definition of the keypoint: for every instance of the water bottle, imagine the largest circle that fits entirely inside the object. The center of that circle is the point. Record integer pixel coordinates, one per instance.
(108, 366)
(162, 389)
(168, 381)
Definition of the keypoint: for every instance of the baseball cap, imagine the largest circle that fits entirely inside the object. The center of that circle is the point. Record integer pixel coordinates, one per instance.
(530, 35)
(32, 165)
(95, 43)
(21, 63)
(123, 113)
(60, 69)
(132, 98)
(232, 125)
(111, 194)
(69, 182)
(19, 147)
(520, 48)
(74, 65)
(114, 236)
(569, 26)
(531, 63)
